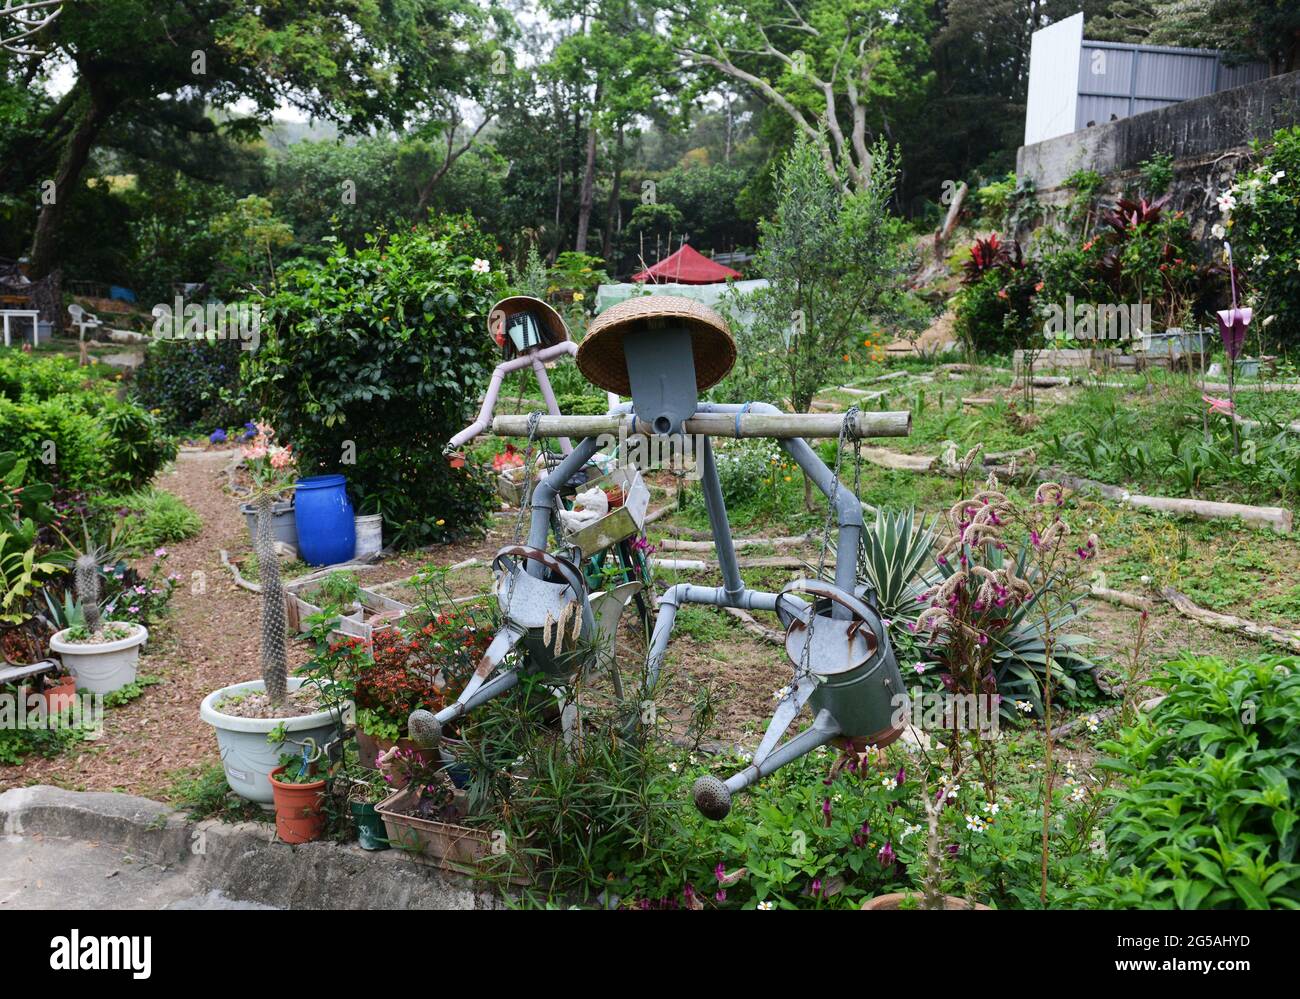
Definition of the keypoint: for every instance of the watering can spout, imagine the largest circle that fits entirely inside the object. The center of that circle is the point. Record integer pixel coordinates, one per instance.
(713, 796)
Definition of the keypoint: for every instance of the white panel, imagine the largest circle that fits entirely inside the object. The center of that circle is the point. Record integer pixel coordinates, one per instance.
(1053, 79)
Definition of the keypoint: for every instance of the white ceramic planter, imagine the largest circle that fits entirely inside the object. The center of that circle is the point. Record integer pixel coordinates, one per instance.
(246, 756)
(370, 535)
(103, 667)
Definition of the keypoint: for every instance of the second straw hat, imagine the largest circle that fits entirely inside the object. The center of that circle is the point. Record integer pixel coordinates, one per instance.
(601, 358)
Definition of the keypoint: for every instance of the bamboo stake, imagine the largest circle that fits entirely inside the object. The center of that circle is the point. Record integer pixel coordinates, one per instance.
(774, 425)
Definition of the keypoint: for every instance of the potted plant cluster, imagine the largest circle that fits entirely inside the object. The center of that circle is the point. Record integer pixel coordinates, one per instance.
(403, 672)
(100, 654)
(254, 720)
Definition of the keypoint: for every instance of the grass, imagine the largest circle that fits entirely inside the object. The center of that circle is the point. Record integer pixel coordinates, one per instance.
(153, 518)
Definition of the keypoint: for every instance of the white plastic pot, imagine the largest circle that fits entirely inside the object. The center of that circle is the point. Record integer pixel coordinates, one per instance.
(370, 535)
(246, 756)
(101, 667)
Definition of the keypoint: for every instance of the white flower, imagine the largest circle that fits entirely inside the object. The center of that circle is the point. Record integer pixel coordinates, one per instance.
(782, 694)
(1277, 176)
(1094, 723)
(672, 767)
(1226, 203)
(975, 824)
(766, 905)
(691, 759)
(1079, 793)
(908, 830)
(991, 807)
(480, 266)
(1217, 230)
(1024, 706)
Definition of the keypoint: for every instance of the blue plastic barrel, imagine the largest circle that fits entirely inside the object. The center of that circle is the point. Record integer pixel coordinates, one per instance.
(327, 530)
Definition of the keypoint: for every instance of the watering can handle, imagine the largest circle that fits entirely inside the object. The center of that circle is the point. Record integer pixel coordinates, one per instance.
(554, 562)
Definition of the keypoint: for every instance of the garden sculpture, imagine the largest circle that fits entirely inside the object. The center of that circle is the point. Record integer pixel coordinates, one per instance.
(531, 334)
(664, 351)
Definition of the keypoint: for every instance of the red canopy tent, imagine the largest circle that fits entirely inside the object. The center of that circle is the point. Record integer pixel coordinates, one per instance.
(686, 266)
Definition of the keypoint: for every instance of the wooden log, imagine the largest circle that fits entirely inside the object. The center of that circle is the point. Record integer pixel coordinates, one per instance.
(672, 544)
(893, 459)
(871, 423)
(759, 631)
(1230, 622)
(1045, 381)
(1254, 386)
(700, 565)
(976, 400)
(1129, 600)
(1274, 517)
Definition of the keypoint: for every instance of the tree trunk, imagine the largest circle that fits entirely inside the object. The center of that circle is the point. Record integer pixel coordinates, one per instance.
(586, 197)
(613, 223)
(71, 163)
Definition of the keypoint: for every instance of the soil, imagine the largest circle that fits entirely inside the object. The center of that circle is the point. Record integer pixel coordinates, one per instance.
(108, 633)
(306, 701)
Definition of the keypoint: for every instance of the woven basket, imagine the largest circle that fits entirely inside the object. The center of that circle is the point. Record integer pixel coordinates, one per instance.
(601, 358)
(551, 322)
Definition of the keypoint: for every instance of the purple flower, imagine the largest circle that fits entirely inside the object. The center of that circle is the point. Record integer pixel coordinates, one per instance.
(217, 436)
(886, 855)
(816, 887)
(826, 811)
(902, 776)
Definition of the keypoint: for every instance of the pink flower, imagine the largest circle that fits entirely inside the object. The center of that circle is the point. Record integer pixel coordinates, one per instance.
(160, 553)
(1218, 405)
(133, 610)
(282, 459)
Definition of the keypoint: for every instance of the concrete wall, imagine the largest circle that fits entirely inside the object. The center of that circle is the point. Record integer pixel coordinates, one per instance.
(1208, 138)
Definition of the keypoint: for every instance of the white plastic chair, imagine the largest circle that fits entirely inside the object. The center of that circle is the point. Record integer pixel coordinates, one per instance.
(83, 319)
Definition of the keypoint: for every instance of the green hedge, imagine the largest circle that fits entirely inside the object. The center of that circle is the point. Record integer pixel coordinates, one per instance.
(192, 384)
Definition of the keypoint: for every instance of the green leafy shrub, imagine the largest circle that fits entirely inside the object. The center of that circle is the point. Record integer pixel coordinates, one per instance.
(1207, 816)
(996, 313)
(192, 384)
(70, 420)
(151, 518)
(378, 354)
(1260, 220)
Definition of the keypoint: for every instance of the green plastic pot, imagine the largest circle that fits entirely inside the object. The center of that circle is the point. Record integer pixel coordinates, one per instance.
(371, 834)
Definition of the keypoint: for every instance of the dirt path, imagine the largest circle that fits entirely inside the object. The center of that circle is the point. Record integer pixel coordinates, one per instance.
(209, 639)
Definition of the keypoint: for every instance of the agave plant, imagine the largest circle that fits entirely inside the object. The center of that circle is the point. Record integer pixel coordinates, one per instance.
(892, 558)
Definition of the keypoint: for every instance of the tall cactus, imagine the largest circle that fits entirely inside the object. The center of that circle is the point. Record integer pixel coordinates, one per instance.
(86, 582)
(275, 662)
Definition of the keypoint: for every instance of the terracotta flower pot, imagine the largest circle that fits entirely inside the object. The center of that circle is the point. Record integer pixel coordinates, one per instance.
(894, 901)
(59, 695)
(299, 817)
(369, 748)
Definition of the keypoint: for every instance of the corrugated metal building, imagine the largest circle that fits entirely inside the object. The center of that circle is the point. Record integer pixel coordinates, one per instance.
(1074, 82)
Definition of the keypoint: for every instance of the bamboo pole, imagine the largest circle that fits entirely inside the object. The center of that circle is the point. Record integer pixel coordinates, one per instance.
(771, 425)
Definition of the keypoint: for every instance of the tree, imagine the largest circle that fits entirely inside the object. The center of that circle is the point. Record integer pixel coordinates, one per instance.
(355, 62)
(1267, 30)
(835, 68)
(834, 264)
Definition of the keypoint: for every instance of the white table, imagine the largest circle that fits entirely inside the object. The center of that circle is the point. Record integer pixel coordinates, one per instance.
(31, 314)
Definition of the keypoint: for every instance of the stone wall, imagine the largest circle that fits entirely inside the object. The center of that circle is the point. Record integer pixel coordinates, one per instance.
(1208, 137)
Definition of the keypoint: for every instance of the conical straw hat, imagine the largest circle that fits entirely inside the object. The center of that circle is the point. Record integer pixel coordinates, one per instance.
(601, 358)
(549, 320)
